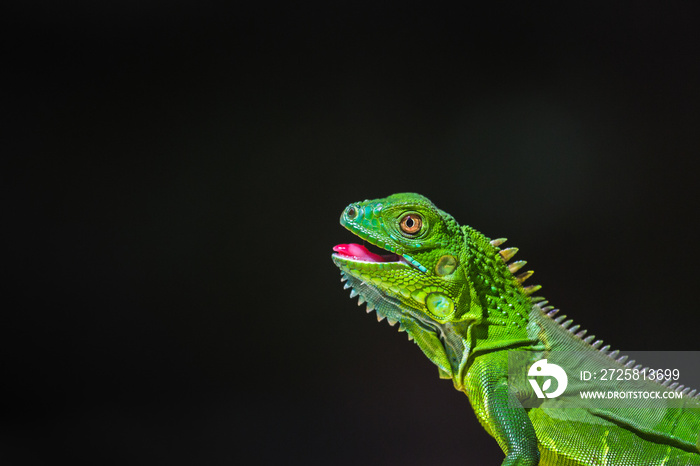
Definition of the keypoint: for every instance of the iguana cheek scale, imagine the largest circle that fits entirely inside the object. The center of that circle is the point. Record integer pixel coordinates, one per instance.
(454, 291)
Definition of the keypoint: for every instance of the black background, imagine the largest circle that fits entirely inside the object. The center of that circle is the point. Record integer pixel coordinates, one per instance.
(174, 176)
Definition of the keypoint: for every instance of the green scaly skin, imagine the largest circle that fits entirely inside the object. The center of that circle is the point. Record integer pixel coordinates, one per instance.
(454, 292)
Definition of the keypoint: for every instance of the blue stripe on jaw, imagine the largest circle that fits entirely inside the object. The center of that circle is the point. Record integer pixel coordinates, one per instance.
(414, 262)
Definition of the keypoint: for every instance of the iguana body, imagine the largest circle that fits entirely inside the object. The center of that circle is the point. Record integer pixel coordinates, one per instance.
(454, 292)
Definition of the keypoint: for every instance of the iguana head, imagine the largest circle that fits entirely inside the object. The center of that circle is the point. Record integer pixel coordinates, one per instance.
(416, 280)
(431, 276)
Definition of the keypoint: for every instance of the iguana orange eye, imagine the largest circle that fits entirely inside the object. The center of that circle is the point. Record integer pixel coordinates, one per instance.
(411, 224)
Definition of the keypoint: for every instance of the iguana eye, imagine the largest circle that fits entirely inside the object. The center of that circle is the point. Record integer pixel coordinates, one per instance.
(411, 224)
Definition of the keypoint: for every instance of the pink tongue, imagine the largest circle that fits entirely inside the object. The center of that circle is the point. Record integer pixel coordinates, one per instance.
(357, 251)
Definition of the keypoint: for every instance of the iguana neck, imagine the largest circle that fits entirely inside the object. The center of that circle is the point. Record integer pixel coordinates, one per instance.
(504, 304)
(499, 306)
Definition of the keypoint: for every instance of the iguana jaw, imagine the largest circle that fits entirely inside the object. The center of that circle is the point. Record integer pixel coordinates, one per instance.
(368, 275)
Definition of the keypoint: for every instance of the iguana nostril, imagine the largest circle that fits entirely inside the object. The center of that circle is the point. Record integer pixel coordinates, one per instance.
(351, 213)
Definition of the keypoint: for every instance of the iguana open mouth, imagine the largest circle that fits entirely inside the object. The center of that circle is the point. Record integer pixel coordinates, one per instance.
(359, 252)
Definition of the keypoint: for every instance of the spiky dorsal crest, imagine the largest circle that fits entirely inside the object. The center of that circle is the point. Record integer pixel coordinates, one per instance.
(551, 313)
(508, 253)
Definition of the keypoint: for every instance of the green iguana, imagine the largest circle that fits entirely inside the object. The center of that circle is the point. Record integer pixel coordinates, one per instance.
(454, 291)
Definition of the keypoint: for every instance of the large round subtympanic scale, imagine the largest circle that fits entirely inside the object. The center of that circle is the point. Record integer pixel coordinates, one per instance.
(439, 304)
